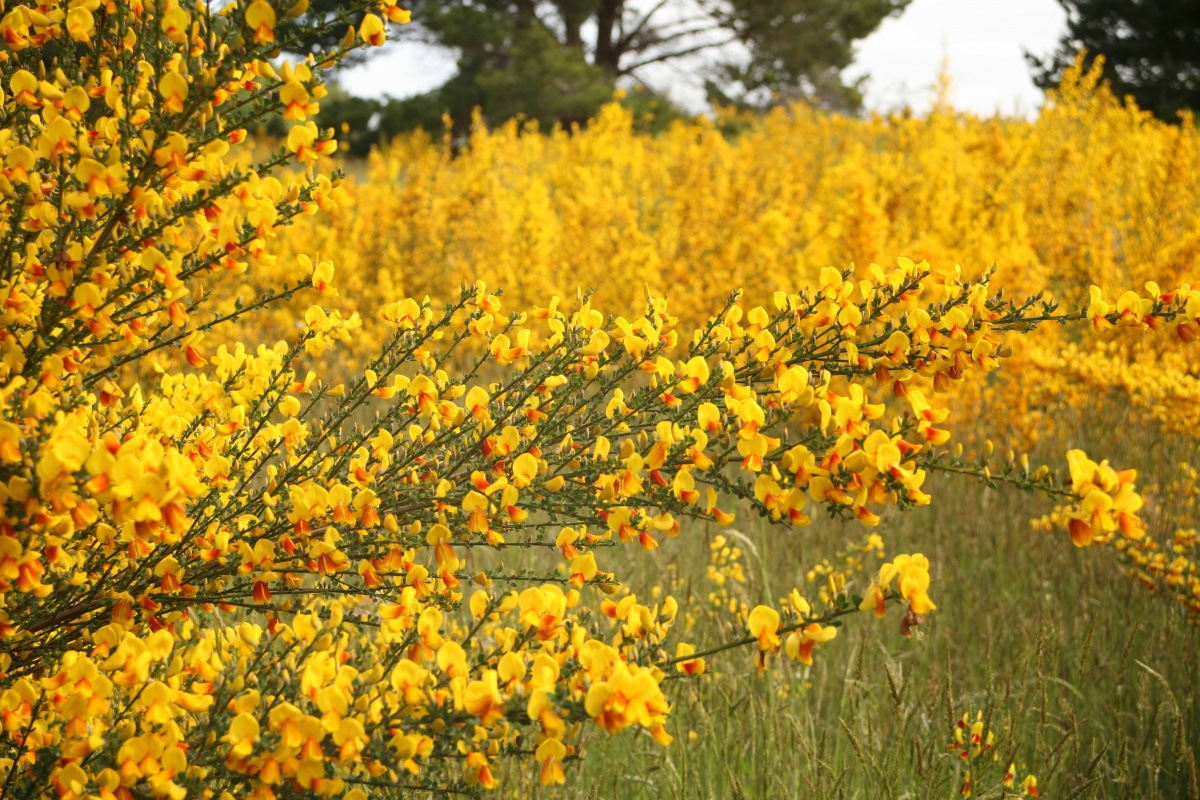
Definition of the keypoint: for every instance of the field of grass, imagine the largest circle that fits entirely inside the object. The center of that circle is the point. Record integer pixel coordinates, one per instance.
(1090, 681)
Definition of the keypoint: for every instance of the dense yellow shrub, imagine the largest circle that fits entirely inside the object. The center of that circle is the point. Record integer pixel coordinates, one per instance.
(691, 213)
(1091, 191)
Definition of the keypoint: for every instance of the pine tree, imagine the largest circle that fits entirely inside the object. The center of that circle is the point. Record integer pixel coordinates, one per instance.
(1151, 50)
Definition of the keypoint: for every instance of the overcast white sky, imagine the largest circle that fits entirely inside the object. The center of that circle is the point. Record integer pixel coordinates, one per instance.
(981, 39)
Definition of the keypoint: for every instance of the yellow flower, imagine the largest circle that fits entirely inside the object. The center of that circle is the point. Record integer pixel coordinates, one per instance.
(690, 666)
(260, 18)
(763, 623)
(372, 30)
(550, 754)
(480, 771)
(482, 699)
(583, 569)
(800, 643)
(524, 470)
(174, 90)
(914, 581)
(398, 15)
(243, 734)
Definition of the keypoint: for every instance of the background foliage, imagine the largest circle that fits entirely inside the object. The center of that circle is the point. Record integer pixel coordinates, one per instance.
(558, 62)
(1149, 50)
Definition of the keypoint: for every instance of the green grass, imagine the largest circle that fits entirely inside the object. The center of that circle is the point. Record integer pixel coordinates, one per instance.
(1089, 681)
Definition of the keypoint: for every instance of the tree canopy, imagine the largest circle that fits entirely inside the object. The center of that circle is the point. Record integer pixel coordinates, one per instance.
(1151, 50)
(559, 60)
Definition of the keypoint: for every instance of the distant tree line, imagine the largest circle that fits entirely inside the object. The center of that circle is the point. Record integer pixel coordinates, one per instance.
(558, 61)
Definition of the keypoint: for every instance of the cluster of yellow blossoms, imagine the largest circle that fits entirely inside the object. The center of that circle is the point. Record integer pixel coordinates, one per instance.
(230, 577)
(1104, 510)
(975, 743)
(1107, 500)
(805, 629)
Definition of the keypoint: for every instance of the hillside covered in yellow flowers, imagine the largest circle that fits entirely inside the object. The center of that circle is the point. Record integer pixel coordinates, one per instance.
(1089, 191)
(296, 502)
